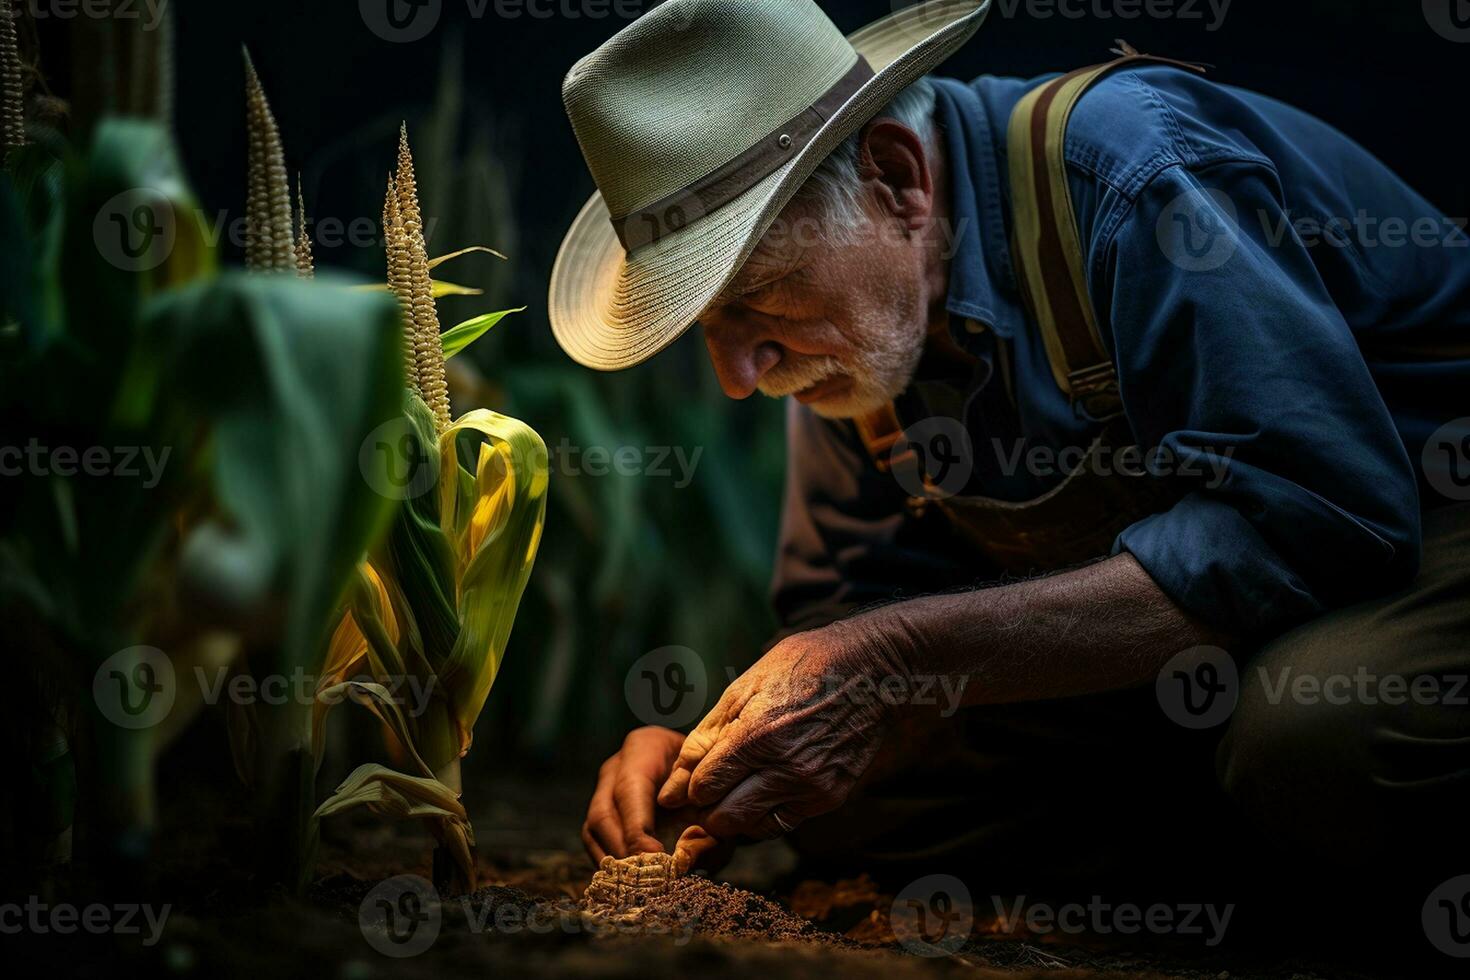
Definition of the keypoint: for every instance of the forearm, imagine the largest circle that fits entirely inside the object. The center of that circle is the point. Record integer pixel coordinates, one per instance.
(1099, 628)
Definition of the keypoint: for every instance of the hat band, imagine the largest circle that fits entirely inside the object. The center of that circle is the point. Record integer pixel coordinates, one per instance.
(648, 225)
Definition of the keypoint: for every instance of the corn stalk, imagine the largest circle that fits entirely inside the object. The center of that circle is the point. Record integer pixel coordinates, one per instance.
(438, 600)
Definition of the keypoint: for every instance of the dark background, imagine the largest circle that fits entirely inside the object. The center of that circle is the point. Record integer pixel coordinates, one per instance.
(632, 564)
(1376, 70)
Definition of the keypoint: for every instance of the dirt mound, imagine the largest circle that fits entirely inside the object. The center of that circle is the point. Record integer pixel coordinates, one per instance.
(644, 890)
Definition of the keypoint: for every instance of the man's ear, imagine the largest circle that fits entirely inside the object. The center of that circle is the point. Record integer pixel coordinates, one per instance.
(894, 161)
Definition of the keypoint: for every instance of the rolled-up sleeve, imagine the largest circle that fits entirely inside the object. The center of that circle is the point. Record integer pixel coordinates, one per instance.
(1233, 358)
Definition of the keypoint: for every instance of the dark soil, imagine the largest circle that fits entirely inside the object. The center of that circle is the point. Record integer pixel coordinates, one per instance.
(527, 918)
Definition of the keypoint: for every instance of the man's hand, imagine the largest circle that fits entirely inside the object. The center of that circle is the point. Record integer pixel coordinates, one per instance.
(621, 817)
(791, 736)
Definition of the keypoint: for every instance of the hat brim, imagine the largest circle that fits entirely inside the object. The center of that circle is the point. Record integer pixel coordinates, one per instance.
(611, 310)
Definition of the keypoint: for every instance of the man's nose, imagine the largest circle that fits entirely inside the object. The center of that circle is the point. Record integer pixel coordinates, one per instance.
(740, 363)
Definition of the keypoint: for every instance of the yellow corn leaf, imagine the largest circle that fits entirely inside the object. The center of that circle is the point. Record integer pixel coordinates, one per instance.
(377, 699)
(493, 522)
(393, 794)
(435, 263)
(440, 289)
(349, 647)
(365, 640)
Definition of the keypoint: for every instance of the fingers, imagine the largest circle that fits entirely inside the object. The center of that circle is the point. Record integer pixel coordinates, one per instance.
(602, 831)
(675, 792)
(621, 814)
(720, 771)
(633, 792)
(694, 844)
(714, 727)
(746, 811)
(592, 847)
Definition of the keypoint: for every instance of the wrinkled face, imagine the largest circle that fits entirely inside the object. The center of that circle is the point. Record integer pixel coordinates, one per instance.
(838, 321)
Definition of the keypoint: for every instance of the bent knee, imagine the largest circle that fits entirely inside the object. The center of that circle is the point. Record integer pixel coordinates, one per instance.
(1348, 755)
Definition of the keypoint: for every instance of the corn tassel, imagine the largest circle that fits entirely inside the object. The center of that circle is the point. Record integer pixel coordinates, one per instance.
(428, 352)
(400, 275)
(12, 82)
(305, 266)
(268, 242)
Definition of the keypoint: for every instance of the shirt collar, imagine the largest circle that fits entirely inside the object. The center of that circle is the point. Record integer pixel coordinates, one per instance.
(982, 281)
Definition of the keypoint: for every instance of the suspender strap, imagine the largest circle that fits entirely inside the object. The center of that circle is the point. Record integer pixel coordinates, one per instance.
(881, 431)
(1050, 261)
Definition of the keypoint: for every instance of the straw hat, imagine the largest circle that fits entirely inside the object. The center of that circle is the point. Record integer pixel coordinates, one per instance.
(699, 121)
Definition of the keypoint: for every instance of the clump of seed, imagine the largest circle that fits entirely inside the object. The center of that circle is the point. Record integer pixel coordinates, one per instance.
(646, 890)
(621, 884)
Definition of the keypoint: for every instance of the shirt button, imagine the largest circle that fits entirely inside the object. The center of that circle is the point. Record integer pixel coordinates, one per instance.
(974, 326)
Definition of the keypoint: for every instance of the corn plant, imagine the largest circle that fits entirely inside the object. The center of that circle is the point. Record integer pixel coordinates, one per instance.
(262, 390)
(437, 598)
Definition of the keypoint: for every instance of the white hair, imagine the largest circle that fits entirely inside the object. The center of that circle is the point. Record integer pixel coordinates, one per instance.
(835, 188)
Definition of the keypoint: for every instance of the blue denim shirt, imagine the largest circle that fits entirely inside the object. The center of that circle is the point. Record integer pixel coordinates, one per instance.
(1290, 322)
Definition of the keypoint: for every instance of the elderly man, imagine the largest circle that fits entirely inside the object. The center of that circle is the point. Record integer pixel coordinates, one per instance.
(1123, 440)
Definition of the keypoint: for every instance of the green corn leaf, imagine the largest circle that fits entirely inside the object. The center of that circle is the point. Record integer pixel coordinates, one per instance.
(457, 338)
